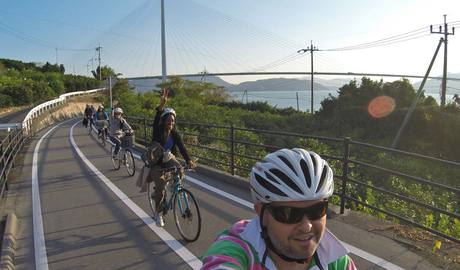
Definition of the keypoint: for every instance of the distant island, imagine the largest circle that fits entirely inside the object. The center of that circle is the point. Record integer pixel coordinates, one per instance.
(291, 84)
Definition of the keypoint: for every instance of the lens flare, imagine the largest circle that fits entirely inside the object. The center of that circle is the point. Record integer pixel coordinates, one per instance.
(381, 106)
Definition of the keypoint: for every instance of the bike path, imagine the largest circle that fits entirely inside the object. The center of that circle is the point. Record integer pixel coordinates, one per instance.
(86, 226)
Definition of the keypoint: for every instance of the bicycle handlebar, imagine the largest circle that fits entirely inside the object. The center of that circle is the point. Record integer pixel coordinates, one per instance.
(174, 169)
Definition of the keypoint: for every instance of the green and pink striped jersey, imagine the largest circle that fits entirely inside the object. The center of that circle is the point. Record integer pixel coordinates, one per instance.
(241, 247)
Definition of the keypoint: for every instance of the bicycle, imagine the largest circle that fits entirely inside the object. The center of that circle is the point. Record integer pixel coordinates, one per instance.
(85, 121)
(104, 131)
(90, 125)
(125, 155)
(181, 201)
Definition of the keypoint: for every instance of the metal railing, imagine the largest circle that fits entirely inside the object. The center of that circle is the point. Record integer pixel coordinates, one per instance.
(360, 169)
(19, 133)
(9, 149)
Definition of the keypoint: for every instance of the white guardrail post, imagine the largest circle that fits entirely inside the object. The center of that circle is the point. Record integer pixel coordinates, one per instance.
(38, 110)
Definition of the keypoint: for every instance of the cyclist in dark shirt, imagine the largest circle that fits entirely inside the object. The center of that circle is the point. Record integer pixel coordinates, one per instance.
(165, 133)
(88, 115)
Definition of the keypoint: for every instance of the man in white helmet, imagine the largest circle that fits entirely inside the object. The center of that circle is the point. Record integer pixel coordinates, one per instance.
(290, 189)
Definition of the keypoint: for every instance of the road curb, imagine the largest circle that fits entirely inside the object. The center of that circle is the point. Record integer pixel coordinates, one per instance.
(226, 177)
(9, 243)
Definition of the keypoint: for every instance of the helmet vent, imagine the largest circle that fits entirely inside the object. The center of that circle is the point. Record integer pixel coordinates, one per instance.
(306, 174)
(288, 164)
(286, 179)
(271, 178)
(314, 161)
(321, 181)
(267, 185)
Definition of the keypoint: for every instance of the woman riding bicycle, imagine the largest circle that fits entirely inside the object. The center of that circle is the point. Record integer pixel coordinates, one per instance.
(118, 129)
(165, 133)
(88, 115)
(101, 119)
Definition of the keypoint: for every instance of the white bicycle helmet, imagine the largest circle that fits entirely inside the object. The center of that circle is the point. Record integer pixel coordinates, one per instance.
(291, 175)
(168, 111)
(118, 110)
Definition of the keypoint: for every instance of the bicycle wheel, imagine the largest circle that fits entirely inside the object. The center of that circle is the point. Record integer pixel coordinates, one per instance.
(102, 138)
(116, 162)
(150, 187)
(187, 215)
(129, 162)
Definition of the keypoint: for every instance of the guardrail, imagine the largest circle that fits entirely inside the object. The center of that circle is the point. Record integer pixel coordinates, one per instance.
(45, 106)
(9, 148)
(368, 177)
(18, 134)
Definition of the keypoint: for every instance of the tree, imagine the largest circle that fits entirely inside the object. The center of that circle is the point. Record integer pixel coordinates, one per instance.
(56, 83)
(120, 88)
(3, 69)
(52, 68)
(5, 101)
(456, 99)
(106, 73)
(61, 69)
(204, 92)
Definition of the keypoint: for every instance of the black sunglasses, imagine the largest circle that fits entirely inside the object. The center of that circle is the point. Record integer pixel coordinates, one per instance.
(292, 215)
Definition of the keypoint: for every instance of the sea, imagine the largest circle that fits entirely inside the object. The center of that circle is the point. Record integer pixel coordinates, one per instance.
(300, 100)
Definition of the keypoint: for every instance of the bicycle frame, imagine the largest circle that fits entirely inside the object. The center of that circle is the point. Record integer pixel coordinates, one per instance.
(175, 187)
(121, 153)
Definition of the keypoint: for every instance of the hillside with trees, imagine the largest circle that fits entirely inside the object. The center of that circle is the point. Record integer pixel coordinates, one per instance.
(30, 83)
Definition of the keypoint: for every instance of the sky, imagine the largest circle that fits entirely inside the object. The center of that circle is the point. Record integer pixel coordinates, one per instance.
(230, 36)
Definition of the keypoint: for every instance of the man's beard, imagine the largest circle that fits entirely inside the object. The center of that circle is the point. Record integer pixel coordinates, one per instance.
(288, 249)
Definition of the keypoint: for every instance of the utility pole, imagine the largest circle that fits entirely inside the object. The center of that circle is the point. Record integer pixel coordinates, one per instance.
(245, 93)
(56, 55)
(297, 98)
(110, 90)
(444, 73)
(203, 78)
(87, 69)
(310, 49)
(163, 43)
(98, 49)
(417, 96)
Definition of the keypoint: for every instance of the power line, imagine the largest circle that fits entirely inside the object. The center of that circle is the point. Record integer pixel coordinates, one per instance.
(34, 40)
(279, 62)
(385, 41)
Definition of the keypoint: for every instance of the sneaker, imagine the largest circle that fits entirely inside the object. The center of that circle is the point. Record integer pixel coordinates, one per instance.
(115, 157)
(160, 220)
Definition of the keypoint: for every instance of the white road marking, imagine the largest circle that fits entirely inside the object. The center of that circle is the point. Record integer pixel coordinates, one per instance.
(372, 258)
(41, 259)
(227, 195)
(180, 250)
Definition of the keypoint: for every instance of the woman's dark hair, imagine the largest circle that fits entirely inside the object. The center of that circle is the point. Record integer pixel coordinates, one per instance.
(161, 125)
